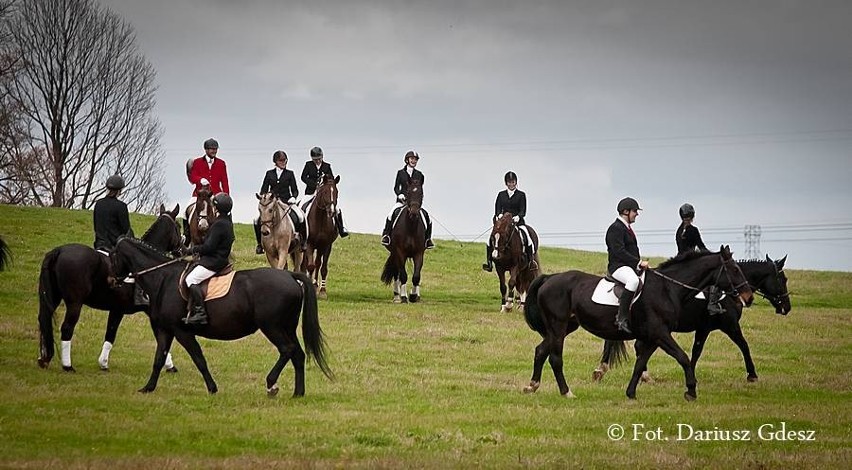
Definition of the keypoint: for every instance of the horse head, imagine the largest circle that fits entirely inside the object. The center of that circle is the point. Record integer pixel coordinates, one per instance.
(267, 205)
(164, 233)
(699, 269)
(414, 198)
(734, 276)
(502, 235)
(774, 286)
(326, 197)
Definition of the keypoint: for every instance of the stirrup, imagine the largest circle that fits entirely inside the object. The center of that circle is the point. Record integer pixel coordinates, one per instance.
(429, 244)
(258, 250)
(622, 326)
(487, 267)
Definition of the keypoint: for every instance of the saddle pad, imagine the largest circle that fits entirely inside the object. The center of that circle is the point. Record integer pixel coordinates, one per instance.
(219, 286)
(700, 296)
(604, 292)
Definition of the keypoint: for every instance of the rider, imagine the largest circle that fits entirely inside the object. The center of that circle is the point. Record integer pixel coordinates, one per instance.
(624, 260)
(312, 176)
(513, 201)
(688, 237)
(282, 183)
(207, 170)
(214, 256)
(403, 177)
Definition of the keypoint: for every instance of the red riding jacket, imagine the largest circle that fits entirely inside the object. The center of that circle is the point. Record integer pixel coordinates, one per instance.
(217, 175)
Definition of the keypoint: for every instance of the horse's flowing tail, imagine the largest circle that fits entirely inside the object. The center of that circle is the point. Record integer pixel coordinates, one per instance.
(390, 272)
(48, 300)
(311, 331)
(532, 310)
(614, 353)
(5, 254)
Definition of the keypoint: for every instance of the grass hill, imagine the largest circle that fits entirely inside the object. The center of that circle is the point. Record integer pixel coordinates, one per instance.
(435, 384)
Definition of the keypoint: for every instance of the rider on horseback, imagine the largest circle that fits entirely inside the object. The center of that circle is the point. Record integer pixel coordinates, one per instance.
(282, 183)
(312, 176)
(214, 257)
(400, 187)
(687, 236)
(624, 260)
(207, 170)
(513, 201)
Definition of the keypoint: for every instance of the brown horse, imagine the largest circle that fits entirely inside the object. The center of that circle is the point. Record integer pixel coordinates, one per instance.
(322, 232)
(277, 232)
(200, 216)
(508, 256)
(407, 241)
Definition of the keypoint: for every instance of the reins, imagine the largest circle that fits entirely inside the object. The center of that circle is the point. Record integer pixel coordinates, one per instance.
(722, 268)
(154, 268)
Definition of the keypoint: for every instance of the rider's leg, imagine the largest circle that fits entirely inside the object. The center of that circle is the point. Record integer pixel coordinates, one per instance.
(259, 248)
(628, 277)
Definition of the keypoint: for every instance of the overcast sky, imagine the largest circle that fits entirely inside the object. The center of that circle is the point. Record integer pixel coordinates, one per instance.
(743, 108)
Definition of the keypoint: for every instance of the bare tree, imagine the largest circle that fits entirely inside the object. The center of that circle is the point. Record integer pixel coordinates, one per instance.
(87, 94)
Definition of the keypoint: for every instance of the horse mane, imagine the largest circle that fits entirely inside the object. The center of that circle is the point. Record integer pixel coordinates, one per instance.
(143, 244)
(155, 224)
(685, 256)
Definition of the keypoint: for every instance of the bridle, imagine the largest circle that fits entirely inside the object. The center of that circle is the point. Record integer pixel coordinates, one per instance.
(722, 269)
(277, 216)
(325, 203)
(775, 300)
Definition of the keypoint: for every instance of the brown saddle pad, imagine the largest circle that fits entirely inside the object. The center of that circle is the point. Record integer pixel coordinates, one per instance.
(217, 286)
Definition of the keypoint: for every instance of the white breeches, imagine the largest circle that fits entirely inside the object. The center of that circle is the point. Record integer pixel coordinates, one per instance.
(628, 277)
(198, 275)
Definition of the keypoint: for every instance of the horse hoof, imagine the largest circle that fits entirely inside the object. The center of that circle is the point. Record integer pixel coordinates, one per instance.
(532, 387)
(646, 378)
(597, 375)
(690, 396)
(271, 392)
(414, 299)
(172, 370)
(505, 309)
(403, 300)
(42, 363)
(752, 378)
(397, 300)
(322, 295)
(145, 390)
(104, 369)
(568, 394)
(69, 369)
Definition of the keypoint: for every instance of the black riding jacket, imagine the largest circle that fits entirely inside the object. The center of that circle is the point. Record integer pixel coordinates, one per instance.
(312, 176)
(111, 221)
(217, 245)
(283, 188)
(515, 205)
(621, 246)
(688, 239)
(400, 186)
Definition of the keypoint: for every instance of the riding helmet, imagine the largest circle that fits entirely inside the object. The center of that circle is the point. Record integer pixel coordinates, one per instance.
(279, 154)
(411, 153)
(223, 203)
(115, 182)
(316, 153)
(628, 204)
(687, 211)
(510, 176)
(211, 144)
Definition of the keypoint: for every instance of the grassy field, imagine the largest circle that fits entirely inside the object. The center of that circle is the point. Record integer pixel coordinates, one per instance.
(435, 384)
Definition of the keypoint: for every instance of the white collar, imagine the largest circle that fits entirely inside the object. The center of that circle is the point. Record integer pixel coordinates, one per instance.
(511, 192)
(623, 220)
(279, 171)
(209, 159)
(409, 169)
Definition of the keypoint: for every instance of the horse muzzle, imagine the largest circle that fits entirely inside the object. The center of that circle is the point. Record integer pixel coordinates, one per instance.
(746, 298)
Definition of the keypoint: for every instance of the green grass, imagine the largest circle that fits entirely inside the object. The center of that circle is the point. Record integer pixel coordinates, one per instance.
(436, 384)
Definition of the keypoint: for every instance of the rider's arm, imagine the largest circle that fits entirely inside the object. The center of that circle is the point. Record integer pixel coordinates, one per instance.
(225, 188)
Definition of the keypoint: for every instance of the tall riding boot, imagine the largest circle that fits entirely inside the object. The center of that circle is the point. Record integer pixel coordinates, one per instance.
(199, 314)
(303, 235)
(140, 298)
(531, 257)
(341, 230)
(386, 232)
(429, 243)
(259, 248)
(624, 311)
(489, 263)
(186, 238)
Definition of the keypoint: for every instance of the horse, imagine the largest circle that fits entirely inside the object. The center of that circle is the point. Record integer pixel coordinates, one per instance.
(79, 275)
(265, 299)
(322, 232)
(559, 304)
(766, 278)
(200, 216)
(407, 241)
(5, 254)
(509, 255)
(277, 232)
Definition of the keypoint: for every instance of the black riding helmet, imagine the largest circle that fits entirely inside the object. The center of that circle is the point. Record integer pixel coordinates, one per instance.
(628, 204)
(510, 176)
(411, 153)
(687, 211)
(316, 153)
(279, 155)
(223, 203)
(115, 182)
(211, 144)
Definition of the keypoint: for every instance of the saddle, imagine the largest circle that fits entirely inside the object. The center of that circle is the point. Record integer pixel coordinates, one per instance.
(609, 290)
(216, 287)
(398, 212)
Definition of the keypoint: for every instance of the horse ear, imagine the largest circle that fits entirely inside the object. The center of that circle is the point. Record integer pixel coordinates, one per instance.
(257, 196)
(337, 179)
(768, 258)
(780, 262)
(162, 209)
(175, 211)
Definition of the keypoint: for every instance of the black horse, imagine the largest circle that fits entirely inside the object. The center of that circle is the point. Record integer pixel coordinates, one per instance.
(559, 304)
(407, 241)
(79, 275)
(766, 278)
(265, 299)
(5, 254)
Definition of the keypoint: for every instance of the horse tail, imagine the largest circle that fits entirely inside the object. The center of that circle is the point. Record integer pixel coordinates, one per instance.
(390, 272)
(614, 353)
(311, 331)
(48, 300)
(532, 310)
(5, 254)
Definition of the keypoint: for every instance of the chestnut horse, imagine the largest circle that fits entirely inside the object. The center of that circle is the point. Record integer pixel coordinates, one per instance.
(509, 256)
(322, 232)
(200, 216)
(407, 241)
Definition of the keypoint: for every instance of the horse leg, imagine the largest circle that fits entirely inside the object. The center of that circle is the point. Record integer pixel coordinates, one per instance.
(513, 293)
(643, 354)
(286, 345)
(557, 343)
(164, 344)
(415, 277)
(698, 343)
(113, 322)
(188, 341)
(403, 281)
(504, 306)
(736, 334)
(396, 297)
(323, 268)
(541, 353)
(72, 316)
(670, 346)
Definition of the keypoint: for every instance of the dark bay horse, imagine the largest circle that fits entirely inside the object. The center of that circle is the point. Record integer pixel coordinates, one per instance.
(509, 256)
(407, 241)
(265, 299)
(200, 216)
(322, 232)
(277, 233)
(79, 275)
(766, 278)
(559, 304)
